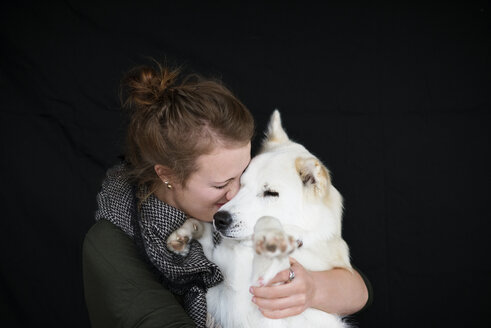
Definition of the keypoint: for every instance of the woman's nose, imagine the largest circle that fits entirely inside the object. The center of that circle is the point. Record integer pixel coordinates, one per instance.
(234, 188)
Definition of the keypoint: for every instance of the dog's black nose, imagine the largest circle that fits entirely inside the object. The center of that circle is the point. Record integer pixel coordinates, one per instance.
(222, 220)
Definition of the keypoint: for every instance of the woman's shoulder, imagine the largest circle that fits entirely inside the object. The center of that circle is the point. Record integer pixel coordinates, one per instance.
(106, 245)
(119, 285)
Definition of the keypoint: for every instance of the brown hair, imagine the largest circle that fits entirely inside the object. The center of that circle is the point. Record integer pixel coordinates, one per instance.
(173, 121)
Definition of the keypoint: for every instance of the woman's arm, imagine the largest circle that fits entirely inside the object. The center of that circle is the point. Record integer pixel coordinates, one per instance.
(334, 291)
(120, 288)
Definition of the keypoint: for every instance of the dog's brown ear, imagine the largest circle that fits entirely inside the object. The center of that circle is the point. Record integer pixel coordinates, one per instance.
(314, 175)
(275, 134)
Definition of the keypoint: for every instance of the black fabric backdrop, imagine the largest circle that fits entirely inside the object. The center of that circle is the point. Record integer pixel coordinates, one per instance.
(394, 98)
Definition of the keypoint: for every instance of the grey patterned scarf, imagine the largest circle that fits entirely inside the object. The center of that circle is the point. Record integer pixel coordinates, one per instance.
(189, 276)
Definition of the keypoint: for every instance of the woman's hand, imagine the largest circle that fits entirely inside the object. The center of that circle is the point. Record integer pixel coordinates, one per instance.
(289, 298)
(337, 290)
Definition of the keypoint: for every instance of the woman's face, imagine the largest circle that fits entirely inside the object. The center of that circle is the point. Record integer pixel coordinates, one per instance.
(216, 181)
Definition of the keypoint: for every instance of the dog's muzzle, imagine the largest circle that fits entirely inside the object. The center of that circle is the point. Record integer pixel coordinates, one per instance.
(222, 220)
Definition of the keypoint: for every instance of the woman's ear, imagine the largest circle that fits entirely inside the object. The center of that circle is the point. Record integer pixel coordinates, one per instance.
(163, 172)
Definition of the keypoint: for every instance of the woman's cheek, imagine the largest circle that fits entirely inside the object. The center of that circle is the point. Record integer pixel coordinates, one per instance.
(217, 197)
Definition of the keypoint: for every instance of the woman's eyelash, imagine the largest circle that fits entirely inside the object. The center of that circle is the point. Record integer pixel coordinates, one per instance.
(221, 187)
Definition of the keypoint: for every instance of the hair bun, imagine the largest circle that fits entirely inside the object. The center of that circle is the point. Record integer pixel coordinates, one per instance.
(145, 86)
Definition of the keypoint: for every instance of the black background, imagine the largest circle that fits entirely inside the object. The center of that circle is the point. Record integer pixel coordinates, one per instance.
(393, 97)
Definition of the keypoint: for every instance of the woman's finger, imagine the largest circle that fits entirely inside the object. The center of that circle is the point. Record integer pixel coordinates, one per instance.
(271, 292)
(283, 303)
(282, 313)
(281, 277)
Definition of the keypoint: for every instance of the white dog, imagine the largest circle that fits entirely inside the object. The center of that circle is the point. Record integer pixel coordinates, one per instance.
(286, 206)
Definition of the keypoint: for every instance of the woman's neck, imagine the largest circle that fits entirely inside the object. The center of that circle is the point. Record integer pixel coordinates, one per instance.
(163, 195)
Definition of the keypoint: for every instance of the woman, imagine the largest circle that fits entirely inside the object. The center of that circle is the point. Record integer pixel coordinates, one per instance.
(188, 143)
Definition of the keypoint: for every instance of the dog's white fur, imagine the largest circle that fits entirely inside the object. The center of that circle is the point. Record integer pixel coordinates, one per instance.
(286, 196)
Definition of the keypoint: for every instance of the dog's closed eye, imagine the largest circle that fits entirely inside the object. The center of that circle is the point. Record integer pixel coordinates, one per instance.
(271, 193)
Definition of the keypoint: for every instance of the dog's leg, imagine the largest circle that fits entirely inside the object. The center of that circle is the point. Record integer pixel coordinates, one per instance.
(272, 246)
(178, 241)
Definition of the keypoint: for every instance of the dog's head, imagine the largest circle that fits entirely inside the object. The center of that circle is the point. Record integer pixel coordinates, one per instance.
(284, 181)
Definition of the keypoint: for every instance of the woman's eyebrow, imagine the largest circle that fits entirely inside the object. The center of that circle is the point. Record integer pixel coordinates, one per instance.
(226, 181)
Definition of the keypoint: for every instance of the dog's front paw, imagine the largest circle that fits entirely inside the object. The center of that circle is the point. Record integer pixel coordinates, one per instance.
(271, 240)
(178, 241)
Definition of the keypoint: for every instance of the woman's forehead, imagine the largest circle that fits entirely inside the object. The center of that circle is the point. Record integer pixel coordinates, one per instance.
(224, 163)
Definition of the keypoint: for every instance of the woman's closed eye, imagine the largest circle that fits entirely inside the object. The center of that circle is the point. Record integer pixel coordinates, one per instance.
(220, 187)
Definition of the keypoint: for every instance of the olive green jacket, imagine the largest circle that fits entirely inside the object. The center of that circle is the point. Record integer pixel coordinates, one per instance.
(120, 288)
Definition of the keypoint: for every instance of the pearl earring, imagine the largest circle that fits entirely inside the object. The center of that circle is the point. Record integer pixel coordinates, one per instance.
(167, 184)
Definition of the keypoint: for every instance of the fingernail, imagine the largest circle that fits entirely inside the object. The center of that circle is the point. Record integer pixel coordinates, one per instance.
(251, 290)
(253, 300)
